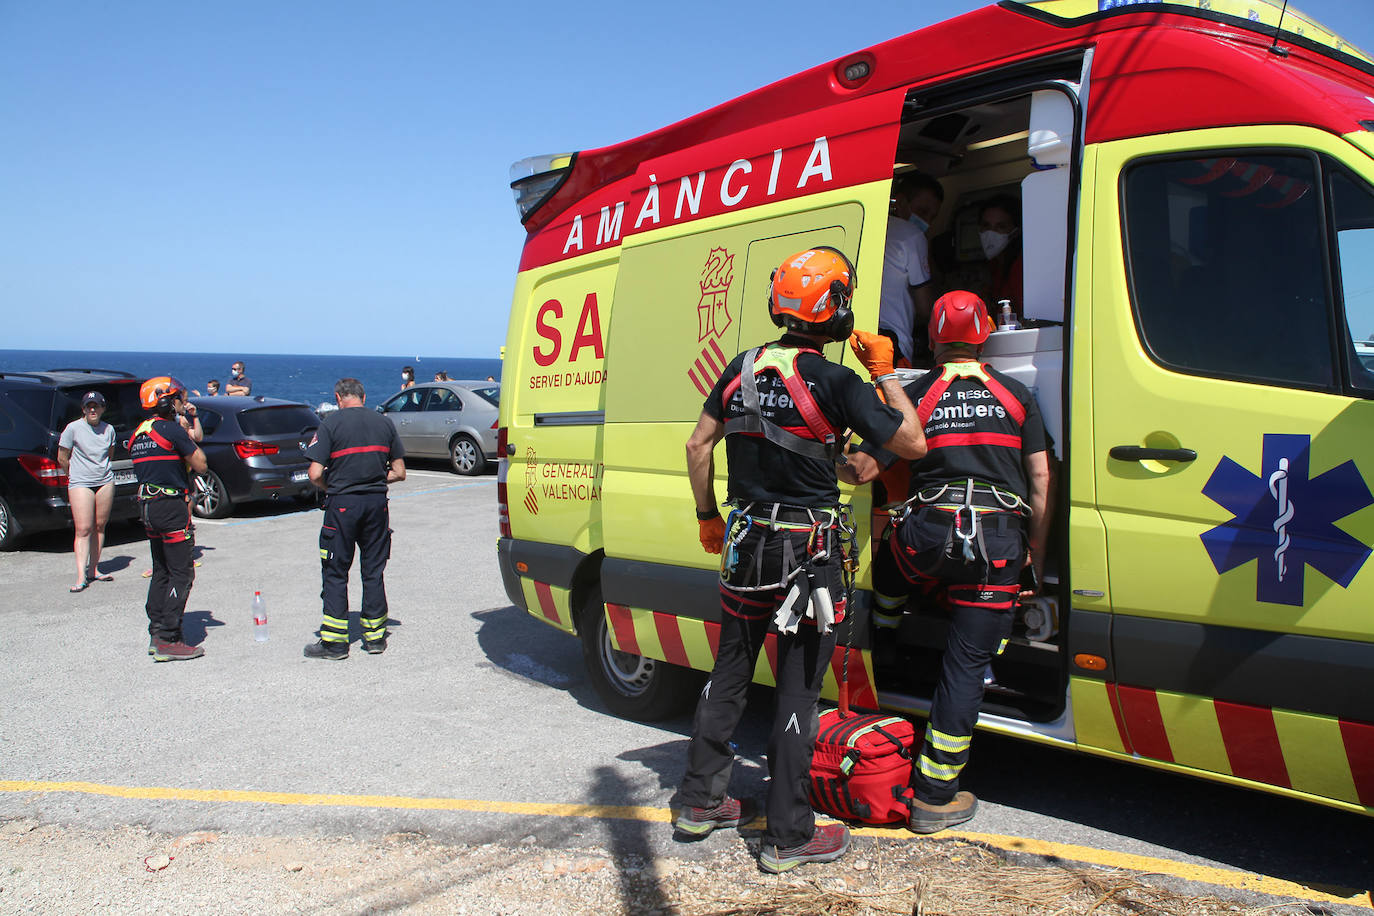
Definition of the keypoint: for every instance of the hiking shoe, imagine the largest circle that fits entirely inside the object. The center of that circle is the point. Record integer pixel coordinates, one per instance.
(374, 646)
(828, 843)
(175, 651)
(928, 818)
(322, 649)
(698, 822)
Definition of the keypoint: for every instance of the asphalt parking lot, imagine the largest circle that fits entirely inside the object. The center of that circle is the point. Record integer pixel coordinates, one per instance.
(478, 724)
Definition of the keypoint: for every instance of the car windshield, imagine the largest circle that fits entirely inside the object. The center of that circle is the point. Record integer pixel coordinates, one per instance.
(490, 393)
(277, 421)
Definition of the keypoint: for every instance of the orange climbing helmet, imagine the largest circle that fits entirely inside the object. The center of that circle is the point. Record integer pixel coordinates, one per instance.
(811, 292)
(159, 390)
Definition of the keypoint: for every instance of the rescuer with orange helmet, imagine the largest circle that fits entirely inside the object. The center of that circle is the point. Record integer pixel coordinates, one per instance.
(783, 410)
(162, 452)
(979, 500)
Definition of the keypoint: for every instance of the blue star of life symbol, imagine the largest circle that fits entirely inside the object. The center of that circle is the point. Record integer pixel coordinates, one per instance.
(1286, 520)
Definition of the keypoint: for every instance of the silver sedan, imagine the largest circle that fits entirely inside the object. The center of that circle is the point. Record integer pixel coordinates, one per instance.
(453, 420)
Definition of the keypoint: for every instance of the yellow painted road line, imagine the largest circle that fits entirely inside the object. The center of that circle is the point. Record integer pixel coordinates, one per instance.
(161, 793)
(1219, 877)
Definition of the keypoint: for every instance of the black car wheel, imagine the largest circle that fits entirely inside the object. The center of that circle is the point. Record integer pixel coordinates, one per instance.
(466, 456)
(9, 528)
(632, 686)
(210, 499)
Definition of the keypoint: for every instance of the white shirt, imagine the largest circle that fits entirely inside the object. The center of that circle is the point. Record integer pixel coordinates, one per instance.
(906, 263)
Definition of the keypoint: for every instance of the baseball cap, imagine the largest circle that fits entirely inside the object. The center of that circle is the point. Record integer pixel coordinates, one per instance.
(93, 397)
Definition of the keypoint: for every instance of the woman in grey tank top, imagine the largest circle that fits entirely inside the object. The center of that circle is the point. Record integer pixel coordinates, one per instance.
(84, 451)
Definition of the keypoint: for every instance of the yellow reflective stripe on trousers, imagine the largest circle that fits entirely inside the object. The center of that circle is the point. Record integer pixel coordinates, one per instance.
(950, 744)
(372, 623)
(887, 610)
(939, 770)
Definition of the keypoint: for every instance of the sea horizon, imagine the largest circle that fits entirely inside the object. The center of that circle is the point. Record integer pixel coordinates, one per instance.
(304, 377)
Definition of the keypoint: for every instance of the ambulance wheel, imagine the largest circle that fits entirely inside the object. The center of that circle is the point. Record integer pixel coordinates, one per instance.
(209, 496)
(466, 455)
(631, 686)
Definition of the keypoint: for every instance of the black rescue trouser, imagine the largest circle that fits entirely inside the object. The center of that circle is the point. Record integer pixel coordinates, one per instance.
(802, 659)
(361, 521)
(980, 597)
(172, 541)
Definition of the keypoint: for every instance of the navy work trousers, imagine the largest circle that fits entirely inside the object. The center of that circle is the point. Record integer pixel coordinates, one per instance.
(172, 542)
(358, 522)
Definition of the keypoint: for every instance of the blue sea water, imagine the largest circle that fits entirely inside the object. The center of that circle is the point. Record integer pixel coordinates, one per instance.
(304, 378)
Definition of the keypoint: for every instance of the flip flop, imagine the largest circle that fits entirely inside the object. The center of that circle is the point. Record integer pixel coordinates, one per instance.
(78, 588)
(105, 578)
(147, 573)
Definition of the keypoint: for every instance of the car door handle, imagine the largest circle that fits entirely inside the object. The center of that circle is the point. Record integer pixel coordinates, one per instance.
(1136, 453)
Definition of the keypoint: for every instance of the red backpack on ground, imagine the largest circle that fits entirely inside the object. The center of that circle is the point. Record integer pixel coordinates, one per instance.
(862, 765)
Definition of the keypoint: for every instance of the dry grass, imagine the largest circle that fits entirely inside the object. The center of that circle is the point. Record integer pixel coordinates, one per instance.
(959, 879)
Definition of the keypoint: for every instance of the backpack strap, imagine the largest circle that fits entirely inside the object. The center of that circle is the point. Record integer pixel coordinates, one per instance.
(824, 444)
(969, 369)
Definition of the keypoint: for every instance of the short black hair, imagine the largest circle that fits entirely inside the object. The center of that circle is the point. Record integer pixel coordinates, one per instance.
(912, 183)
(349, 388)
(410, 369)
(1004, 202)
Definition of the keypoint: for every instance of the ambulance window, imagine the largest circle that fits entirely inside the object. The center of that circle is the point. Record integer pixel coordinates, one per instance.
(1353, 206)
(1227, 269)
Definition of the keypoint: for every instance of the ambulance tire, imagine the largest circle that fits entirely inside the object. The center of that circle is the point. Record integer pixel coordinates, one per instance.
(631, 686)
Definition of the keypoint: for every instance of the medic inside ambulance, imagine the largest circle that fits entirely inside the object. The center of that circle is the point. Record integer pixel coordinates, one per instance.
(980, 156)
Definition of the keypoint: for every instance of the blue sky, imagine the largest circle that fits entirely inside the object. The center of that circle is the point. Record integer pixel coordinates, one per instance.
(331, 177)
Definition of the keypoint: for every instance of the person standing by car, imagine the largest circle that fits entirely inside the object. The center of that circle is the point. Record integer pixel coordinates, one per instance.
(407, 377)
(239, 384)
(84, 452)
(354, 455)
(162, 452)
(782, 409)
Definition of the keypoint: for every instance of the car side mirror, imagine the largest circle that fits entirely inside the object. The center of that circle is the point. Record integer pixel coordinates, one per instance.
(379, 409)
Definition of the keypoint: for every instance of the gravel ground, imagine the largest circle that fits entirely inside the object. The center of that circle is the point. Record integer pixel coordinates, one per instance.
(55, 869)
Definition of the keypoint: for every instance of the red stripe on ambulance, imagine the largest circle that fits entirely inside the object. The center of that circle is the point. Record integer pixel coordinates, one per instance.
(1359, 751)
(670, 638)
(623, 628)
(1252, 742)
(545, 596)
(1144, 723)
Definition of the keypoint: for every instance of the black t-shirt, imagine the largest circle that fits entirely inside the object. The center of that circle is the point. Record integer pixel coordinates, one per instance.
(357, 445)
(762, 471)
(242, 380)
(971, 435)
(159, 449)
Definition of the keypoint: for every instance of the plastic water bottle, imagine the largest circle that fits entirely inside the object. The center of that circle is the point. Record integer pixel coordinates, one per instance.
(1007, 321)
(259, 617)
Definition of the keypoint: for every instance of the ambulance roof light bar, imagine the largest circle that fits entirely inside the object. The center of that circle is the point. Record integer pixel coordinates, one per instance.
(534, 180)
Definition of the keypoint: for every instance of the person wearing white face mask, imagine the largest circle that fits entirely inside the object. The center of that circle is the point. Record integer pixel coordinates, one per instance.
(239, 384)
(999, 232)
(407, 377)
(907, 293)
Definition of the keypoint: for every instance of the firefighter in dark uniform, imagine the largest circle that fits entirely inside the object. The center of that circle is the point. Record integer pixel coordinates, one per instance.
(978, 506)
(162, 451)
(783, 410)
(354, 455)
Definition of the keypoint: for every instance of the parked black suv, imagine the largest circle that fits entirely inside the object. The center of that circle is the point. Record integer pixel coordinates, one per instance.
(34, 409)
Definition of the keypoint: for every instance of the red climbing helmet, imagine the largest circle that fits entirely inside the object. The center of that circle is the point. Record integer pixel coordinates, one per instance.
(959, 317)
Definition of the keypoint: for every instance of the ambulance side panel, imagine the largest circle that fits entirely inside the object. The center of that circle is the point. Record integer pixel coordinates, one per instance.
(1231, 432)
(552, 410)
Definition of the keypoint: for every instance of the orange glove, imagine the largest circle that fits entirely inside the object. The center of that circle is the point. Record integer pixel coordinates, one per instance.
(712, 534)
(874, 351)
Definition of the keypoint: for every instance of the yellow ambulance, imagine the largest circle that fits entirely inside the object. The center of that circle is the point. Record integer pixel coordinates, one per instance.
(1195, 180)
